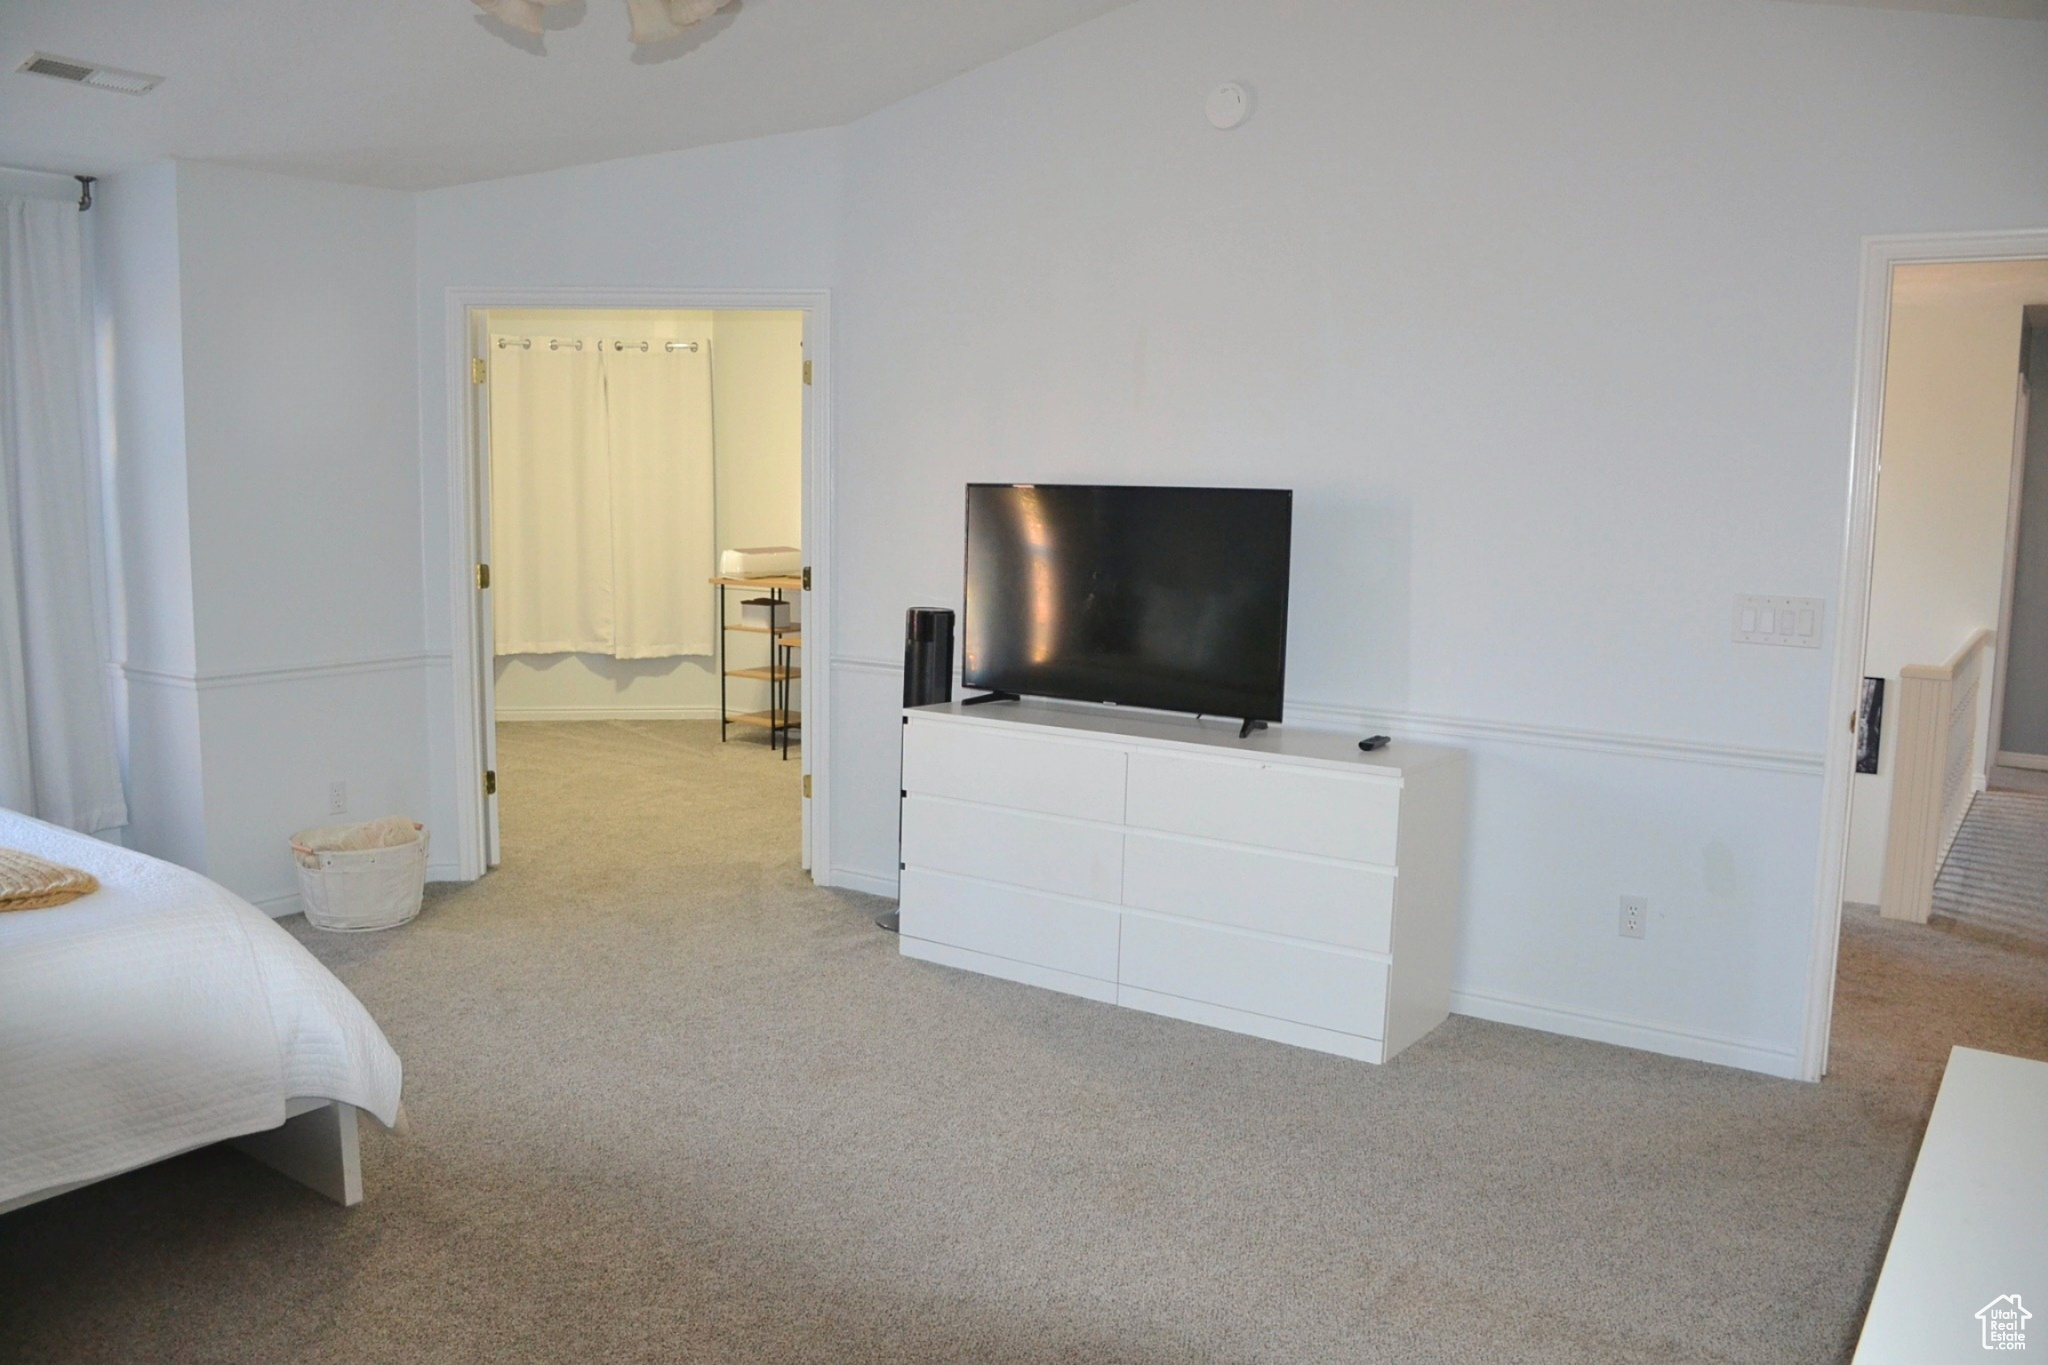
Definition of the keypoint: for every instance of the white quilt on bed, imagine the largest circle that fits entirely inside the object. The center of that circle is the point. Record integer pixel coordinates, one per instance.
(159, 1014)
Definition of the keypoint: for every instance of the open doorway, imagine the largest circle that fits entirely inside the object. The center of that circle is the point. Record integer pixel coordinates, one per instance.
(1917, 829)
(645, 532)
(622, 449)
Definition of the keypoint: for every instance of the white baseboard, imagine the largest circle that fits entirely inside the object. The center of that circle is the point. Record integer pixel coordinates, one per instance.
(278, 907)
(874, 883)
(525, 713)
(1603, 1028)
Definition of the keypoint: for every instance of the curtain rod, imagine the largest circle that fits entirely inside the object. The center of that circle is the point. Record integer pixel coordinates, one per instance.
(85, 182)
(576, 344)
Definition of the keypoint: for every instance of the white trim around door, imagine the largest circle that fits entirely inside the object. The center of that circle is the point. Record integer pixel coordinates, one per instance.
(466, 482)
(1873, 328)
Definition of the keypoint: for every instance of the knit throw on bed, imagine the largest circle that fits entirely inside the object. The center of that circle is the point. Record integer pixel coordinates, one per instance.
(31, 883)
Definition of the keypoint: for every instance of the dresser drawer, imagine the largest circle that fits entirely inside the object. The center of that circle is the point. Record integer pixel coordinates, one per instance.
(1345, 904)
(1008, 922)
(1295, 982)
(1036, 852)
(1245, 801)
(1020, 771)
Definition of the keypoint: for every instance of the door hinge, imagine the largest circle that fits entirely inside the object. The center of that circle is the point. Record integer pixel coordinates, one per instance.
(807, 372)
(807, 786)
(1852, 722)
(483, 577)
(477, 372)
(490, 782)
(807, 578)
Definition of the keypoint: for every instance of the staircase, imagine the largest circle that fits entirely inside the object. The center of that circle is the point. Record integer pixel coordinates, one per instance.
(1996, 875)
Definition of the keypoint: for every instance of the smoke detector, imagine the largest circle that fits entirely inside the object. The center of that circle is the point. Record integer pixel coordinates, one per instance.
(86, 73)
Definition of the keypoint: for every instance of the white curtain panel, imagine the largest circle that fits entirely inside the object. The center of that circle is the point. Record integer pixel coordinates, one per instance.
(58, 759)
(551, 498)
(658, 427)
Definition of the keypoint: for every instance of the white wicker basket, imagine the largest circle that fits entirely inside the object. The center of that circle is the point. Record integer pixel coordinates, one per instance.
(357, 877)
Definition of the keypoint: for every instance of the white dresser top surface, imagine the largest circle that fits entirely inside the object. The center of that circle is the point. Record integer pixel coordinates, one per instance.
(1972, 1237)
(1215, 734)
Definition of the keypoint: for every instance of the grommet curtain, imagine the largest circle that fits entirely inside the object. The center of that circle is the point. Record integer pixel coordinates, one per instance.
(602, 497)
(58, 759)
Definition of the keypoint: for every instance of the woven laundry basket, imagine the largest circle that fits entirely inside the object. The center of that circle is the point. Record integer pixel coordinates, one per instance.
(357, 877)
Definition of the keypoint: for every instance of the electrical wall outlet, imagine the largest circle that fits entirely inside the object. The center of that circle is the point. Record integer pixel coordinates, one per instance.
(337, 798)
(1635, 916)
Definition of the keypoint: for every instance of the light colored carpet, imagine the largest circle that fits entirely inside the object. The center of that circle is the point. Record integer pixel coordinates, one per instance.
(1995, 878)
(672, 1103)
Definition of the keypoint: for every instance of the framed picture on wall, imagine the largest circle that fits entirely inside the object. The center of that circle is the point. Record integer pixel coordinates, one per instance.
(1869, 724)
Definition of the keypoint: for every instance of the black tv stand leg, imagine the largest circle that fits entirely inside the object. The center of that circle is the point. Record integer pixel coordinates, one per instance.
(1244, 731)
(989, 697)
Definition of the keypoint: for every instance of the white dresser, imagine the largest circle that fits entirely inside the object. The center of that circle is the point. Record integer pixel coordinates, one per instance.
(1286, 885)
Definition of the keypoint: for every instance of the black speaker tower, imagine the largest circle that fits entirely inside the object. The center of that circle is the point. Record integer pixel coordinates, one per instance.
(927, 656)
(927, 678)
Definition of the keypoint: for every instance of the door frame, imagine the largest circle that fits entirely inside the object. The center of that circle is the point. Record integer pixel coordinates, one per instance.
(1873, 331)
(468, 474)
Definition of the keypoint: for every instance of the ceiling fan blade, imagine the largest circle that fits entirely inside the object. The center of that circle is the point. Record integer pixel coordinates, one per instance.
(523, 15)
(651, 21)
(688, 12)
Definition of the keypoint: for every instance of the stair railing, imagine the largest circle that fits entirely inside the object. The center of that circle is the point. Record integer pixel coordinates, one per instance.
(1933, 773)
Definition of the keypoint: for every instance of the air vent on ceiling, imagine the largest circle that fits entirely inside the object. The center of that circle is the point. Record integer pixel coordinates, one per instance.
(85, 73)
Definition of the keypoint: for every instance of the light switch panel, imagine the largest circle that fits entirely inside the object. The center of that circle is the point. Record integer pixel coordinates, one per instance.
(1794, 621)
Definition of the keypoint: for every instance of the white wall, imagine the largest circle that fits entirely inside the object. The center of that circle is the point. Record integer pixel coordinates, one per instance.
(1546, 311)
(136, 265)
(269, 483)
(1946, 446)
(300, 416)
(757, 407)
(760, 428)
(303, 489)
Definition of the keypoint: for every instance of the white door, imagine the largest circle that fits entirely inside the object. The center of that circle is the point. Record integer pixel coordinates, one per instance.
(812, 662)
(485, 663)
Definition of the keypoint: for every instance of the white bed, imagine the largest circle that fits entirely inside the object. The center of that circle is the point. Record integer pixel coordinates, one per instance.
(163, 1013)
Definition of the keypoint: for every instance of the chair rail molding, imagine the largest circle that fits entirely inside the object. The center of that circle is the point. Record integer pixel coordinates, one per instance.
(268, 675)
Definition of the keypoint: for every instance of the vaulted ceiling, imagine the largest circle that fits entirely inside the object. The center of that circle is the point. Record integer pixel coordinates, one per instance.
(419, 93)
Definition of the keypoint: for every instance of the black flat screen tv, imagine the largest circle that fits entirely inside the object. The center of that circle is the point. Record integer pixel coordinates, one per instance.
(1169, 598)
